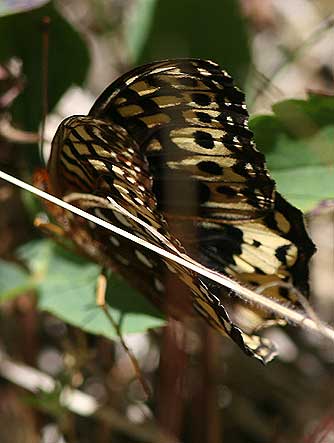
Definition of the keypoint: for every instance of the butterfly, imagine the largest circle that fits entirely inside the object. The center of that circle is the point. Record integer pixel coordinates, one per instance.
(166, 154)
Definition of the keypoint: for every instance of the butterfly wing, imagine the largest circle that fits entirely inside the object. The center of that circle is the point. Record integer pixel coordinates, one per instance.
(97, 166)
(166, 153)
(210, 181)
(191, 122)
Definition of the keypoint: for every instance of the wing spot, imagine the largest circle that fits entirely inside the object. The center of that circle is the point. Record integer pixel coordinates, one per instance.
(122, 219)
(226, 190)
(117, 170)
(138, 200)
(121, 259)
(114, 240)
(203, 117)
(171, 268)
(158, 285)
(204, 139)
(210, 167)
(201, 99)
(144, 260)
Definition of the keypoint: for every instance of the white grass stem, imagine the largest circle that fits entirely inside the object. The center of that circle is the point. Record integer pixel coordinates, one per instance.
(246, 294)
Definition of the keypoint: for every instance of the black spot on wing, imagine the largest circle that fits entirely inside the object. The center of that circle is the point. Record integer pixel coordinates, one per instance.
(232, 94)
(188, 81)
(210, 167)
(204, 139)
(283, 292)
(281, 253)
(227, 191)
(203, 192)
(219, 245)
(203, 117)
(251, 197)
(201, 99)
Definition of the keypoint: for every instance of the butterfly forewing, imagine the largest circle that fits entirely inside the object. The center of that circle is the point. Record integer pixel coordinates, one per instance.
(191, 123)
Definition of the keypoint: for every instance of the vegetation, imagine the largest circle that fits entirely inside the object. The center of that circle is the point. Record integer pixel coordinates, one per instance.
(203, 389)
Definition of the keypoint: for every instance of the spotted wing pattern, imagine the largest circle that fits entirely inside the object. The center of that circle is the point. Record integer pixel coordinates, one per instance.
(86, 156)
(168, 145)
(191, 123)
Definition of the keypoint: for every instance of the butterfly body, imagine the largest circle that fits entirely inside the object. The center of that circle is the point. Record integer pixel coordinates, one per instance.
(166, 153)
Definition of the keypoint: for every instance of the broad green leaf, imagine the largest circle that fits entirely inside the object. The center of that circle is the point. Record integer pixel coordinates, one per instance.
(304, 170)
(302, 118)
(67, 288)
(8, 7)
(13, 280)
(298, 141)
(193, 28)
(21, 36)
(297, 119)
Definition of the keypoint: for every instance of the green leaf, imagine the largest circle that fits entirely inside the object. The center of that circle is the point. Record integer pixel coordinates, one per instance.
(67, 289)
(193, 28)
(302, 118)
(298, 141)
(21, 36)
(13, 280)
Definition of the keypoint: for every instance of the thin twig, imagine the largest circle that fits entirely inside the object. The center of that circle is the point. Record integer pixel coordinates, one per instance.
(101, 302)
(12, 134)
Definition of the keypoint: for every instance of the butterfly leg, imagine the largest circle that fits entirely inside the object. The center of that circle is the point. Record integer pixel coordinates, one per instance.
(50, 229)
(55, 233)
(101, 289)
